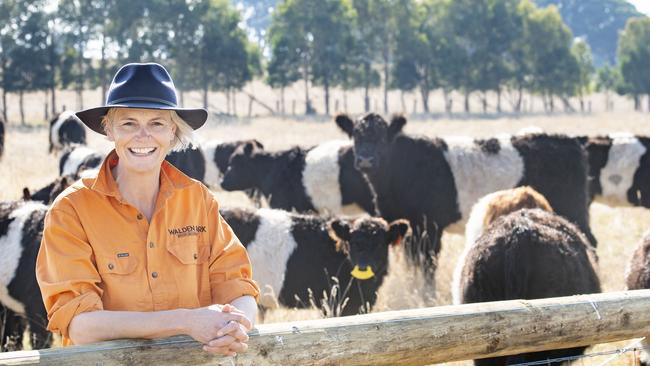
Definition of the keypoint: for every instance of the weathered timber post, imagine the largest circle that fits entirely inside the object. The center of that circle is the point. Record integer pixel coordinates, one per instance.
(408, 337)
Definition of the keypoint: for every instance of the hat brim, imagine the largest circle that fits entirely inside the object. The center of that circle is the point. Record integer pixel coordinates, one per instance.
(92, 117)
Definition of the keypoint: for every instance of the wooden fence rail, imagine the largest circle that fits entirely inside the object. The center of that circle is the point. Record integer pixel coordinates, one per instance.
(408, 337)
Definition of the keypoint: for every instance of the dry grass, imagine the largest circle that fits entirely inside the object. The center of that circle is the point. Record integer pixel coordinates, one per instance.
(27, 163)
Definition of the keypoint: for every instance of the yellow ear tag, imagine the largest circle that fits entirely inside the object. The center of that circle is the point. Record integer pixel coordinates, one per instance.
(362, 275)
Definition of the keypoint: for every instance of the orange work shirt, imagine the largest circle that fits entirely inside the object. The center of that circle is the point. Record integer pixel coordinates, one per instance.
(98, 252)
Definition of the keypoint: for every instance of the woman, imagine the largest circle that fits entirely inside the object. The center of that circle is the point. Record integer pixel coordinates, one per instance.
(140, 250)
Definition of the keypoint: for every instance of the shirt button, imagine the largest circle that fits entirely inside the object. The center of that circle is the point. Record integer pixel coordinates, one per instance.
(154, 274)
(111, 266)
(196, 256)
(151, 244)
(139, 216)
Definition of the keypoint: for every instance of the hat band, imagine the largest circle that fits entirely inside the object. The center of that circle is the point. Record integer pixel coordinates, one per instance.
(144, 99)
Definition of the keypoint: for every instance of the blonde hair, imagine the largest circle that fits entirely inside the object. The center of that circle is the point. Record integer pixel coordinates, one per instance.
(183, 137)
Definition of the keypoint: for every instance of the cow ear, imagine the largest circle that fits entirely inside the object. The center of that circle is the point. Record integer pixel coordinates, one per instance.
(345, 124)
(339, 230)
(396, 125)
(398, 230)
(258, 144)
(248, 148)
(26, 194)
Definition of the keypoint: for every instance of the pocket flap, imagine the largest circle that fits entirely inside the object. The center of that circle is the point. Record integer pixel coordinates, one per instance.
(189, 252)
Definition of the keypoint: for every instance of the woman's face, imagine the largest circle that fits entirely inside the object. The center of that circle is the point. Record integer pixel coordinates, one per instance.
(142, 138)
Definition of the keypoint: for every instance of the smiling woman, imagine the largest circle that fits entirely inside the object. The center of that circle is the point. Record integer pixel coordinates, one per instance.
(112, 263)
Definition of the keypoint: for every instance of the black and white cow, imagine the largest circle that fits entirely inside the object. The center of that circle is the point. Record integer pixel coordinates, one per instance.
(217, 155)
(78, 158)
(47, 194)
(319, 179)
(527, 254)
(21, 230)
(434, 182)
(66, 129)
(637, 277)
(619, 168)
(295, 256)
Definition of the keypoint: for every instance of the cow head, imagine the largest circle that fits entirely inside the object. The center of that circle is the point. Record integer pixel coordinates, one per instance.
(372, 138)
(48, 193)
(224, 151)
(241, 172)
(366, 242)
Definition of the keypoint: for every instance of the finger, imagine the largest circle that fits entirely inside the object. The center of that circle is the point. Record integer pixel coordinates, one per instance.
(224, 341)
(230, 327)
(238, 347)
(243, 320)
(231, 309)
(220, 350)
(237, 331)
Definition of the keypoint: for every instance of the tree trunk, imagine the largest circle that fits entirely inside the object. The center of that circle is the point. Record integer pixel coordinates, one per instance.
(424, 91)
(305, 76)
(386, 75)
(519, 98)
(205, 93)
(46, 111)
(448, 100)
(181, 96)
(22, 107)
(227, 102)
(648, 102)
(234, 101)
(345, 101)
(282, 110)
(484, 102)
(552, 103)
(366, 87)
(102, 67)
(466, 102)
(401, 97)
(637, 103)
(4, 105)
(326, 86)
(498, 100)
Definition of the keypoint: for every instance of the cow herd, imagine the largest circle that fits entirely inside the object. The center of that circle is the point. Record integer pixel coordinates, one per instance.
(525, 199)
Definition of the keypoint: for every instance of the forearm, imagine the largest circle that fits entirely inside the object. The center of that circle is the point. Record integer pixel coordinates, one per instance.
(247, 305)
(97, 326)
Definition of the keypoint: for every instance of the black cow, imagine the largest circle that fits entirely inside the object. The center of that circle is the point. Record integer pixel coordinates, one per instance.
(434, 182)
(528, 254)
(217, 155)
(295, 256)
(21, 230)
(66, 129)
(321, 179)
(47, 194)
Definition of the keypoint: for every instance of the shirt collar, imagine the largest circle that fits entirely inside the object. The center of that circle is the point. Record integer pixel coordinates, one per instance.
(170, 177)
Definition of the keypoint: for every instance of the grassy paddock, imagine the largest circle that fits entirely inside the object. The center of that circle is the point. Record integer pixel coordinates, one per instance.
(618, 229)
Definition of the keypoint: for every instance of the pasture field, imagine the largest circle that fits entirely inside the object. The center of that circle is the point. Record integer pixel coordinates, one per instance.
(26, 163)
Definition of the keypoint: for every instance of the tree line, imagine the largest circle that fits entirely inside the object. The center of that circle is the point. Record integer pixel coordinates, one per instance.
(501, 47)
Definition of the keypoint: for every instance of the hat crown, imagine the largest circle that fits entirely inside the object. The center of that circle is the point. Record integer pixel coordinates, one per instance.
(142, 82)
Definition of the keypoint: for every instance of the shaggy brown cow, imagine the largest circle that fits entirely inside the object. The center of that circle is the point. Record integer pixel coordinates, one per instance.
(527, 254)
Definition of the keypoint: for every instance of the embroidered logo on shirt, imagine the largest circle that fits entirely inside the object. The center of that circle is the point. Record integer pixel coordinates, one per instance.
(187, 230)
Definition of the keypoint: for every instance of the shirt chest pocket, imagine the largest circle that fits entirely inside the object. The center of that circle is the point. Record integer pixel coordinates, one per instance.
(189, 251)
(116, 263)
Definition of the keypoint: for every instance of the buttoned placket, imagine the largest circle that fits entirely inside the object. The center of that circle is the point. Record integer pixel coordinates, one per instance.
(156, 254)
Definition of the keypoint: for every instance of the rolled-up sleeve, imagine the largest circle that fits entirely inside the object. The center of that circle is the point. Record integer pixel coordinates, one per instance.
(231, 274)
(66, 271)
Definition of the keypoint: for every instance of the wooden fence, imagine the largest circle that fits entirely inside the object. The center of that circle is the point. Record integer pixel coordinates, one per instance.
(408, 337)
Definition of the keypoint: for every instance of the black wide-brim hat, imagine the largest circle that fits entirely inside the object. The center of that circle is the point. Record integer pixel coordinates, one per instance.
(141, 85)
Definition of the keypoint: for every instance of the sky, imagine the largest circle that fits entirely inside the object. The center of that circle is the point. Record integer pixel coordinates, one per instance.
(641, 5)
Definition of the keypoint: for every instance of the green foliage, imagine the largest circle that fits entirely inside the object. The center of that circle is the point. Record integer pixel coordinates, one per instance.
(634, 55)
(599, 22)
